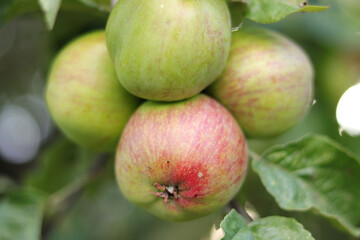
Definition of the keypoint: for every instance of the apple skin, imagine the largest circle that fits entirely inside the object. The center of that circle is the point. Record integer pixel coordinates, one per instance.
(168, 50)
(267, 82)
(84, 96)
(193, 145)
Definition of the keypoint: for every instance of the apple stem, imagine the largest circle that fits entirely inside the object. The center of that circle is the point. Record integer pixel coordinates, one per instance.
(240, 209)
(166, 192)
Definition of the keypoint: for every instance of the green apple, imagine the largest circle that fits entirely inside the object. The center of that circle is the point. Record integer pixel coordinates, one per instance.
(267, 82)
(168, 50)
(84, 95)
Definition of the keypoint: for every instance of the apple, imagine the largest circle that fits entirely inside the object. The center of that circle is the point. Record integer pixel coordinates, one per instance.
(181, 160)
(267, 82)
(84, 95)
(168, 50)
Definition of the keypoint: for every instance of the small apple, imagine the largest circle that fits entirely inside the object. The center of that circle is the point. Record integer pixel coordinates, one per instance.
(84, 95)
(181, 160)
(267, 82)
(168, 50)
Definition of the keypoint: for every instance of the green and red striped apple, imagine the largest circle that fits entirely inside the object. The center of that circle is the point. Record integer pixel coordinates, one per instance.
(181, 160)
(84, 96)
(267, 82)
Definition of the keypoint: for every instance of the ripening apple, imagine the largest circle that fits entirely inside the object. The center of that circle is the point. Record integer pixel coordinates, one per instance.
(168, 50)
(267, 82)
(84, 95)
(181, 160)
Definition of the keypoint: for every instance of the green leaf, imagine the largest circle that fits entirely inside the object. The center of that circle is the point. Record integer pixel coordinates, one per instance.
(232, 223)
(274, 227)
(60, 165)
(6, 184)
(10, 9)
(237, 13)
(317, 174)
(102, 5)
(21, 215)
(313, 9)
(50, 9)
(270, 11)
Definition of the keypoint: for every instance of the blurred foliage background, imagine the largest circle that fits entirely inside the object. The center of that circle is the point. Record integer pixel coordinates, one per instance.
(34, 153)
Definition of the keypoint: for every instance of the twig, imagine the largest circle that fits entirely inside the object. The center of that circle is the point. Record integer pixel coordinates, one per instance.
(61, 202)
(234, 203)
(240, 209)
(254, 155)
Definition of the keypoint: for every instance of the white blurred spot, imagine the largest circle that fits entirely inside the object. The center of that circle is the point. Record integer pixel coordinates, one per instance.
(38, 109)
(20, 135)
(250, 209)
(314, 102)
(216, 234)
(348, 111)
(162, 5)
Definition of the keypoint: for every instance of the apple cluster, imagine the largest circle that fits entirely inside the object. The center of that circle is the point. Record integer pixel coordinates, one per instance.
(136, 89)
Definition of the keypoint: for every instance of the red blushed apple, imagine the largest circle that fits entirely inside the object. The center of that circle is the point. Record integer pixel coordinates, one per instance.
(181, 160)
